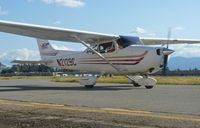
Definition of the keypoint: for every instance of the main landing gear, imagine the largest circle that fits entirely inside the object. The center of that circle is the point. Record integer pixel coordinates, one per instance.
(137, 81)
(147, 82)
(88, 81)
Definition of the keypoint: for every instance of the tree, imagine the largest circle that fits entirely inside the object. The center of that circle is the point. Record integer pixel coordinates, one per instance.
(28, 68)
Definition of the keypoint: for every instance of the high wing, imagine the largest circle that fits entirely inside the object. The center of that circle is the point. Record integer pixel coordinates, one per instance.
(54, 33)
(69, 35)
(159, 41)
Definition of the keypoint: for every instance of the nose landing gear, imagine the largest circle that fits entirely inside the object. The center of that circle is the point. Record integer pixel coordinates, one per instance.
(147, 82)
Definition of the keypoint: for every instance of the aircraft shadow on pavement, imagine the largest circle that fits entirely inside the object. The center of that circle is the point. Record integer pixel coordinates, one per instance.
(78, 88)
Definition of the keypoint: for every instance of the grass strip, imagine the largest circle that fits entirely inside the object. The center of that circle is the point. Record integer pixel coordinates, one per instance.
(162, 80)
(171, 80)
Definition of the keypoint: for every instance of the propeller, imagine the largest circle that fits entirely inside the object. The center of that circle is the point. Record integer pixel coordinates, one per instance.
(166, 52)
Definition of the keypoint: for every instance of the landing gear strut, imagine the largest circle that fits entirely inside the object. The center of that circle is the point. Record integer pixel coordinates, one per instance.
(88, 81)
(147, 82)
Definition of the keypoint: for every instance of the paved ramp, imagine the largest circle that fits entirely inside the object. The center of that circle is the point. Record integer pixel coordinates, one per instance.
(163, 98)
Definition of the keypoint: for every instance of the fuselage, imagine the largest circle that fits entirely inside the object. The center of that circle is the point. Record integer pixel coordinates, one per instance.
(135, 59)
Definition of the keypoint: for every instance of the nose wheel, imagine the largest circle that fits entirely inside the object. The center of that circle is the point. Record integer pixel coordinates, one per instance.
(147, 82)
(148, 87)
(89, 86)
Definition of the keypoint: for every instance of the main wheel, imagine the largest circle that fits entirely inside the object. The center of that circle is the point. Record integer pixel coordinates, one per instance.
(136, 85)
(148, 87)
(89, 86)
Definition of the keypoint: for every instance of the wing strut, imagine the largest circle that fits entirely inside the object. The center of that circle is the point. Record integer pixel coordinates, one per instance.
(101, 56)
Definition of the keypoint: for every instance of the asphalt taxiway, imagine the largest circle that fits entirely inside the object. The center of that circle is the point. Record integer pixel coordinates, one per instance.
(162, 98)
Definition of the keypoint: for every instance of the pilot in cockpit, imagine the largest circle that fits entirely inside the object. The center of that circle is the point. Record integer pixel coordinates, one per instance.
(106, 47)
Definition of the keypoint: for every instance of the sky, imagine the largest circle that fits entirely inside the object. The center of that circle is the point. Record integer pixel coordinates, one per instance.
(146, 18)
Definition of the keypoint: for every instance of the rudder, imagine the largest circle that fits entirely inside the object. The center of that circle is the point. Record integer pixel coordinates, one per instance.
(46, 50)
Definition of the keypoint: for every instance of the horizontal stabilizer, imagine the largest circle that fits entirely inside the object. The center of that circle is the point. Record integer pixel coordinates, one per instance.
(28, 62)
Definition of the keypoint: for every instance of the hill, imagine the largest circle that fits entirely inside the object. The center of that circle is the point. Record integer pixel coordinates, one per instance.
(184, 63)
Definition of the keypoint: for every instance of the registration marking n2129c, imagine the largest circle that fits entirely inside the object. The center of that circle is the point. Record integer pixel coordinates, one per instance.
(66, 62)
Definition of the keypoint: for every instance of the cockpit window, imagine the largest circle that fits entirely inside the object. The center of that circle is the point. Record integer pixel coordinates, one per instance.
(125, 41)
(106, 47)
(102, 48)
(88, 51)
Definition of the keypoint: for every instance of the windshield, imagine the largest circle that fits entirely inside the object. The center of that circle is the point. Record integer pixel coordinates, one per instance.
(125, 41)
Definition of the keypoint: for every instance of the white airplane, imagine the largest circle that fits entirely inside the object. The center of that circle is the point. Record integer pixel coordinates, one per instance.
(105, 53)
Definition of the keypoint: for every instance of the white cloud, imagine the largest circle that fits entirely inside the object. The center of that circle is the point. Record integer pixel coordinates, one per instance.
(140, 30)
(19, 54)
(66, 3)
(143, 32)
(151, 34)
(57, 22)
(179, 28)
(186, 50)
(59, 47)
(3, 55)
(2, 11)
(26, 54)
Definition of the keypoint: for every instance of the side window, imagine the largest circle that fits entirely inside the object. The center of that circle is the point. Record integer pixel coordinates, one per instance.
(102, 48)
(88, 51)
(120, 43)
(106, 47)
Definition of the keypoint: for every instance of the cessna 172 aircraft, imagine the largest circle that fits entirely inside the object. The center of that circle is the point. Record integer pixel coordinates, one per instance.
(105, 53)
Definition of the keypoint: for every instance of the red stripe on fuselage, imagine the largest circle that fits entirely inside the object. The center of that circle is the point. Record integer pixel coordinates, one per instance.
(126, 60)
(118, 57)
(113, 63)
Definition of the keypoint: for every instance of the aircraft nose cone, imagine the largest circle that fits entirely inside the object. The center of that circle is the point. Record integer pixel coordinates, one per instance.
(167, 51)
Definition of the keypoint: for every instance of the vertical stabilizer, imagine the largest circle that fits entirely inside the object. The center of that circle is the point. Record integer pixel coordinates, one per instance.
(46, 50)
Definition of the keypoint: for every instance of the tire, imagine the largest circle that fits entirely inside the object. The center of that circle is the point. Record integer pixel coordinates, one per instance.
(148, 87)
(89, 86)
(137, 85)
